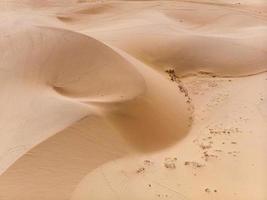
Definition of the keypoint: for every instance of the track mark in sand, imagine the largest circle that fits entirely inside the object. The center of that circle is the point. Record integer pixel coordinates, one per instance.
(218, 141)
(193, 164)
(140, 170)
(173, 77)
(146, 164)
(109, 184)
(182, 88)
(181, 196)
(208, 190)
(170, 163)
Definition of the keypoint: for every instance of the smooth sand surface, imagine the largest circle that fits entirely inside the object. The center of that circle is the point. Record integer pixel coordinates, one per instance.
(136, 100)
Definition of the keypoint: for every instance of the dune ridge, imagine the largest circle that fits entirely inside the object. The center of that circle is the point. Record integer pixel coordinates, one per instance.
(40, 78)
(125, 107)
(112, 100)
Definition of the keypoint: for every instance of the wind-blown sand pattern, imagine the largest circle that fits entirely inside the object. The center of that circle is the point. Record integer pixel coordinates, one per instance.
(136, 100)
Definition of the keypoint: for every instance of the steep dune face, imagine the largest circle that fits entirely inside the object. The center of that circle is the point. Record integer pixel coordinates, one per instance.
(173, 114)
(88, 112)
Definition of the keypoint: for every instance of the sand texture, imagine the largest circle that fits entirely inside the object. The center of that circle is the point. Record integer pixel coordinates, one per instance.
(133, 100)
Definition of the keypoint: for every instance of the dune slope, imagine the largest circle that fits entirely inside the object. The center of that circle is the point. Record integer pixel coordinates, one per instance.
(142, 100)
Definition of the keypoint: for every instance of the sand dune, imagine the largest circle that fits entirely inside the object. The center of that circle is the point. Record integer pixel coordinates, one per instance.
(81, 72)
(38, 81)
(185, 35)
(133, 100)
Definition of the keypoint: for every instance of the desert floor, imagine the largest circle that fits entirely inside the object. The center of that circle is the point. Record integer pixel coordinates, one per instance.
(133, 100)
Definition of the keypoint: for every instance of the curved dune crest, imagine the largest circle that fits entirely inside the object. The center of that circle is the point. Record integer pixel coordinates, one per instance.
(68, 62)
(72, 63)
(86, 78)
(108, 100)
